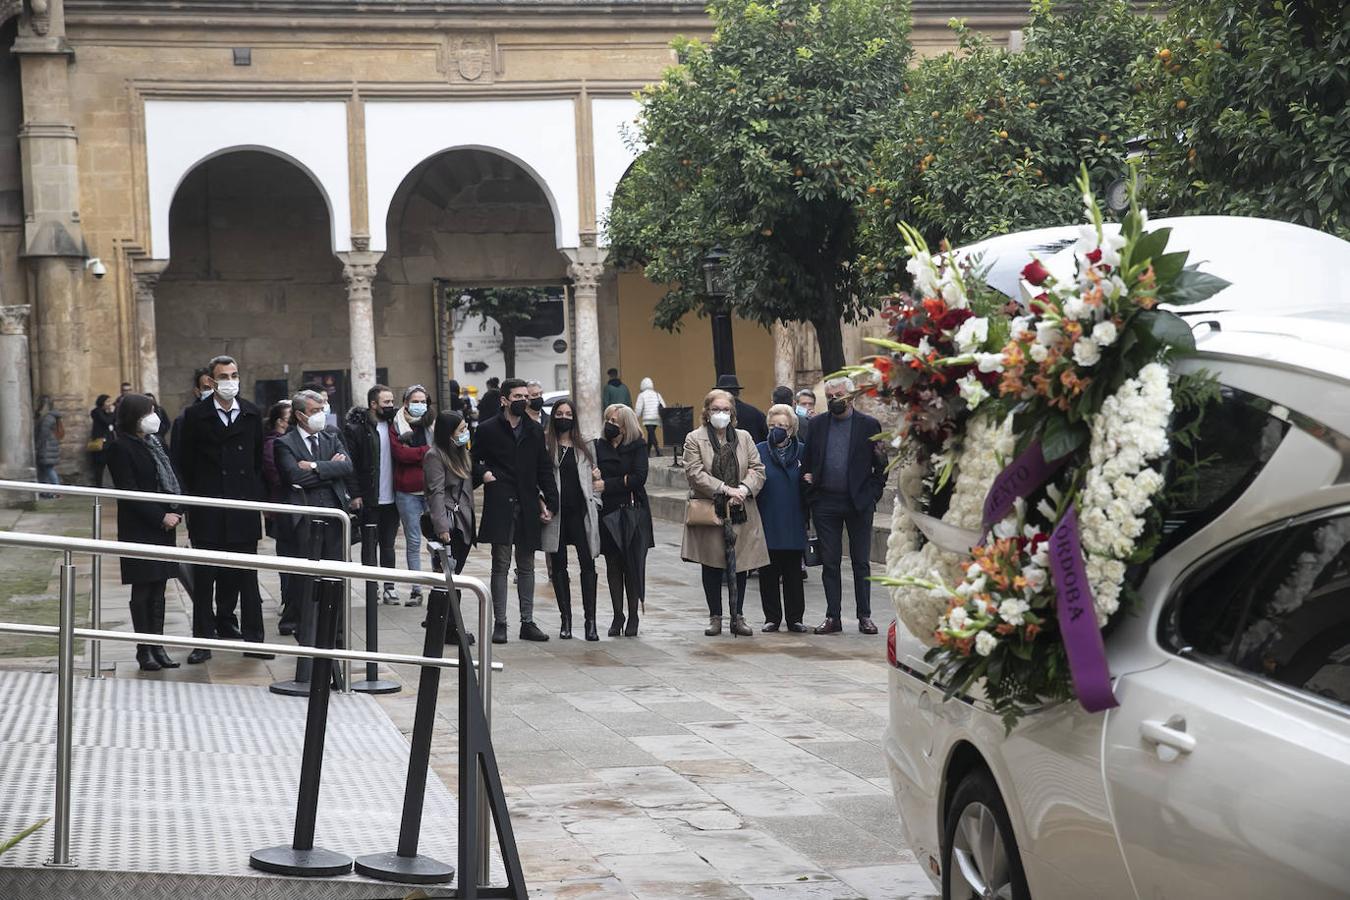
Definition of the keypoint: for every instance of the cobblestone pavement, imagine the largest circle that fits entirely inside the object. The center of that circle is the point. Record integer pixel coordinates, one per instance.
(666, 765)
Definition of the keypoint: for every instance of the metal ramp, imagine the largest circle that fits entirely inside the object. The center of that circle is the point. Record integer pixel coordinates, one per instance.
(175, 783)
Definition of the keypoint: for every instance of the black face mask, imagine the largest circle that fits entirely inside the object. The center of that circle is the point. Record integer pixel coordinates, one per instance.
(563, 425)
(536, 403)
(518, 407)
(387, 413)
(777, 436)
(838, 406)
(612, 431)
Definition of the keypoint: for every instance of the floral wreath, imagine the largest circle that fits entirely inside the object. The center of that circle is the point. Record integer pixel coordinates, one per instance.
(1033, 441)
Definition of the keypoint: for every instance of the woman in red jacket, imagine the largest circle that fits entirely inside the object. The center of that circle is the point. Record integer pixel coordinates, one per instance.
(409, 441)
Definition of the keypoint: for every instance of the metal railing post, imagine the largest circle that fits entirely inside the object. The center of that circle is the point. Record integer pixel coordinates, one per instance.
(96, 594)
(485, 675)
(65, 702)
(346, 521)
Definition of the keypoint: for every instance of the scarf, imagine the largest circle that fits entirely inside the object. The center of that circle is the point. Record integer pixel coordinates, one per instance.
(164, 474)
(787, 454)
(725, 466)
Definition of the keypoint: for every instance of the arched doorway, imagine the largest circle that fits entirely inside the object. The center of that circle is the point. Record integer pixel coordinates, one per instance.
(465, 219)
(252, 274)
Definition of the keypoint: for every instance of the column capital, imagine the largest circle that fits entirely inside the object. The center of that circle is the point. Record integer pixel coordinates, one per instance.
(14, 319)
(586, 266)
(359, 268)
(145, 274)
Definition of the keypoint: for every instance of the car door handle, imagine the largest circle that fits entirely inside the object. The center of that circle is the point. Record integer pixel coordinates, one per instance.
(1168, 738)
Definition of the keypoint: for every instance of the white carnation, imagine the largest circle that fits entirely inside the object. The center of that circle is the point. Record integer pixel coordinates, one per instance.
(1104, 333)
(1086, 353)
(985, 643)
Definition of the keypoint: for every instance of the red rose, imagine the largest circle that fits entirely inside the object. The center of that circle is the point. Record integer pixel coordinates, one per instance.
(1095, 256)
(952, 319)
(1035, 272)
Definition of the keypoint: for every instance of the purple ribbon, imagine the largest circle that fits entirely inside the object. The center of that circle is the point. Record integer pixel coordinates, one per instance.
(1022, 476)
(1078, 617)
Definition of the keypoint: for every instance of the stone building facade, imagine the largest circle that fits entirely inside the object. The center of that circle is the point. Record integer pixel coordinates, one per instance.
(304, 183)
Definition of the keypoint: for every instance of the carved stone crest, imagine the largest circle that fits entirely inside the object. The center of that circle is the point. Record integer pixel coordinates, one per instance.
(468, 57)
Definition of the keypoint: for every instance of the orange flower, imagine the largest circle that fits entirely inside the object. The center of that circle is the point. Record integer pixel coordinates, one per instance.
(934, 307)
(1005, 628)
(1031, 630)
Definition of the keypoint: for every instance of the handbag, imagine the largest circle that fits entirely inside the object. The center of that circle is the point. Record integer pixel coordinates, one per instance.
(702, 512)
(811, 556)
(95, 445)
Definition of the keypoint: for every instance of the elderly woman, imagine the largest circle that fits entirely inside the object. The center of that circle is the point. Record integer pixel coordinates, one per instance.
(781, 506)
(725, 474)
(621, 480)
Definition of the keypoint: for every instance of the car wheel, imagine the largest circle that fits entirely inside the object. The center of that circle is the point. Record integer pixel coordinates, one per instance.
(979, 851)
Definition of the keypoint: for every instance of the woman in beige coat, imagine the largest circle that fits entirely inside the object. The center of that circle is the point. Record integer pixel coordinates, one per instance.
(725, 472)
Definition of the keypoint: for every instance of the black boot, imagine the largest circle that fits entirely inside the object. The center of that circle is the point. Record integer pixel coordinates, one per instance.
(562, 589)
(589, 580)
(157, 626)
(616, 600)
(631, 629)
(145, 658)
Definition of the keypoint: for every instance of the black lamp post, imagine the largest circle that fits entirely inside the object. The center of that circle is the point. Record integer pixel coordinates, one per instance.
(717, 286)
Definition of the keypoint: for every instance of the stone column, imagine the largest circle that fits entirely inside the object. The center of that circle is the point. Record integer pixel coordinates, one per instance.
(784, 355)
(16, 396)
(586, 269)
(358, 270)
(145, 273)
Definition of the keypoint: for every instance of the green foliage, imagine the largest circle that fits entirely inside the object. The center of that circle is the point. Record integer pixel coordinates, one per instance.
(11, 843)
(760, 141)
(987, 141)
(1250, 105)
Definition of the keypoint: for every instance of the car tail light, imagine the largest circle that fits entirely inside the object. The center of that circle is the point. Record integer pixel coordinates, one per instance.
(890, 644)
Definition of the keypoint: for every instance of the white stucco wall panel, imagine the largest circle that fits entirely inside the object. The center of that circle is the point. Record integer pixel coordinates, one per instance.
(180, 134)
(613, 121)
(538, 135)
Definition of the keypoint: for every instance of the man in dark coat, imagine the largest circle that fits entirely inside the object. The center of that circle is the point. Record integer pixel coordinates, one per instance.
(519, 493)
(847, 473)
(220, 455)
(366, 435)
(491, 404)
(748, 418)
(202, 387)
(313, 462)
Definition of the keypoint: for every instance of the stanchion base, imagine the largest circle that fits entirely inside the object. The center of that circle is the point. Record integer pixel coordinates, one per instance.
(290, 688)
(377, 687)
(404, 869)
(315, 863)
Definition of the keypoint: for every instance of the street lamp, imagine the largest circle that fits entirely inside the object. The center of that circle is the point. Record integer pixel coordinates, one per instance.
(717, 285)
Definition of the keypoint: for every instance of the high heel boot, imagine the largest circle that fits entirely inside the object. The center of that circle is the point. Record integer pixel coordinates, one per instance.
(631, 629)
(140, 620)
(157, 626)
(616, 600)
(589, 581)
(562, 589)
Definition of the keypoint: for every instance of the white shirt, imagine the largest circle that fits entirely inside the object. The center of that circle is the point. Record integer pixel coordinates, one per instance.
(386, 465)
(227, 416)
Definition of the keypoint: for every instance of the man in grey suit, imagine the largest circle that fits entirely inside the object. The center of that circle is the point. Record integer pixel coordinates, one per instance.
(314, 462)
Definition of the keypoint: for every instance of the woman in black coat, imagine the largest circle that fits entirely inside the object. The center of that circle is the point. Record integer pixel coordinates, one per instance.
(138, 462)
(102, 433)
(621, 480)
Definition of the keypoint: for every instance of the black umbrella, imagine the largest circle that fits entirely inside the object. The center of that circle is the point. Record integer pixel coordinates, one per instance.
(729, 536)
(631, 532)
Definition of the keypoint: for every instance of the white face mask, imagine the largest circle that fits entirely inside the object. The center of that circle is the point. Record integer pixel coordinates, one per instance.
(720, 419)
(228, 389)
(417, 410)
(462, 437)
(206, 394)
(150, 424)
(316, 421)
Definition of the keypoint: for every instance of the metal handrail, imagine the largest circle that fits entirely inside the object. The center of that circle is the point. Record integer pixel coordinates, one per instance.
(96, 589)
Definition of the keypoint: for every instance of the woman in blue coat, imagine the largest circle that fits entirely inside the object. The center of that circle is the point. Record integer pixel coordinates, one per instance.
(783, 513)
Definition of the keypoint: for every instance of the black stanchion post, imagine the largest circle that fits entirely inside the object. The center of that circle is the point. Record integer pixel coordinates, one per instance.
(305, 635)
(406, 866)
(370, 536)
(301, 857)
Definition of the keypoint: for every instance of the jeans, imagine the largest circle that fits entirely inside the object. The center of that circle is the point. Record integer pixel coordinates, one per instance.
(410, 509)
(785, 569)
(47, 475)
(715, 586)
(832, 513)
(501, 566)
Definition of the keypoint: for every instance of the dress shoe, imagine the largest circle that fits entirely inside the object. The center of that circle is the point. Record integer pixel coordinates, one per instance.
(770, 626)
(740, 628)
(530, 632)
(286, 629)
(829, 626)
(499, 633)
(162, 657)
(146, 659)
(261, 655)
(198, 656)
(867, 626)
(797, 628)
(714, 626)
(591, 633)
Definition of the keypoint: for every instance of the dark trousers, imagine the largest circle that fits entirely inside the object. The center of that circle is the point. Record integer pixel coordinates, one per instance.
(785, 569)
(715, 586)
(651, 439)
(299, 588)
(147, 609)
(832, 513)
(562, 581)
(216, 586)
(459, 553)
(385, 518)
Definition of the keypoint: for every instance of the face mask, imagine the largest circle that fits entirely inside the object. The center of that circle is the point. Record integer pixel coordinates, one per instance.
(518, 407)
(206, 394)
(720, 419)
(801, 411)
(838, 406)
(227, 389)
(462, 438)
(388, 412)
(536, 403)
(327, 410)
(612, 431)
(564, 425)
(149, 424)
(417, 410)
(778, 436)
(316, 421)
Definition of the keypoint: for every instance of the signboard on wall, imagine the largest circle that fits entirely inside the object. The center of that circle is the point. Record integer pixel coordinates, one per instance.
(541, 345)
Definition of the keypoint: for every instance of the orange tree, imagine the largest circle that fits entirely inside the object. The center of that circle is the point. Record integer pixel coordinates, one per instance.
(759, 140)
(988, 141)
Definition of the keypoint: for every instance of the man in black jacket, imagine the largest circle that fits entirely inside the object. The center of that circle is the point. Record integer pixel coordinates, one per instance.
(491, 404)
(202, 387)
(748, 418)
(366, 435)
(519, 493)
(220, 455)
(847, 473)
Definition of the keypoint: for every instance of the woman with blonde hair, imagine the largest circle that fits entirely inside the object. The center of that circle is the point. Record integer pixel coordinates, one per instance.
(626, 518)
(725, 474)
(577, 523)
(784, 511)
